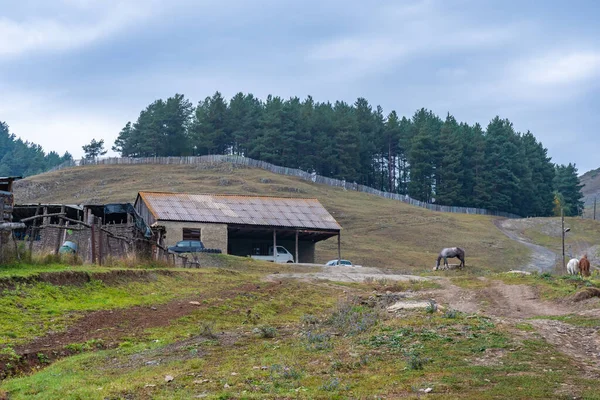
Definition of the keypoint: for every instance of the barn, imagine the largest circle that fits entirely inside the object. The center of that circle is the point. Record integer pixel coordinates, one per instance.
(237, 224)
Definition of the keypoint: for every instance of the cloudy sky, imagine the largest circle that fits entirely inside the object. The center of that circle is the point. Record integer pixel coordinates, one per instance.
(73, 70)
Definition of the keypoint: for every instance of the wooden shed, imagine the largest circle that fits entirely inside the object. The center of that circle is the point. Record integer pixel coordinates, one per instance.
(240, 225)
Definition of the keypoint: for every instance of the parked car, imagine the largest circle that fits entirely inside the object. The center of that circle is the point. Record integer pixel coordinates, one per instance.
(283, 256)
(191, 246)
(346, 263)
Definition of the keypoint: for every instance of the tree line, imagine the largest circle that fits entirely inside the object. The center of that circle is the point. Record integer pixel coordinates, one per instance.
(429, 158)
(19, 158)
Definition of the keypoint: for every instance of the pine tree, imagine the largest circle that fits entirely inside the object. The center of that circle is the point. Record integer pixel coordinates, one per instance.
(94, 149)
(421, 166)
(501, 162)
(208, 131)
(567, 185)
(449, 172)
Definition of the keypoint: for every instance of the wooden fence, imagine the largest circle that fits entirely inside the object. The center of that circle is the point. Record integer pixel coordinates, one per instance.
(313, 177)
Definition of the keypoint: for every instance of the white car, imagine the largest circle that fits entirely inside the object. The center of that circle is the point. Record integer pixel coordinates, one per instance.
(332, 263)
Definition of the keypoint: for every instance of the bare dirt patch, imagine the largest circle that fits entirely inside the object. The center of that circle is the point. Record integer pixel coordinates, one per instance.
(514, 304)
(107, 327)
(580, 344)
(351, 274)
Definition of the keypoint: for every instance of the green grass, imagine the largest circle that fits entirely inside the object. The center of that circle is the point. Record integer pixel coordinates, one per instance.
(25, 270)
(470, 282)
(458, 357)
(546, 232)
(550, 286)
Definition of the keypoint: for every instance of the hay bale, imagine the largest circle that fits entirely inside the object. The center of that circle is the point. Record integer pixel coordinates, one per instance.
(585, 294)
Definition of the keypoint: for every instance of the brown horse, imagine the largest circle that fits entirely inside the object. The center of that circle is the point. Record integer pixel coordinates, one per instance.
(584, 266)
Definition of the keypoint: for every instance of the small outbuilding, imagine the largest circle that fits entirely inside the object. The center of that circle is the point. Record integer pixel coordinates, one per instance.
(239, 225)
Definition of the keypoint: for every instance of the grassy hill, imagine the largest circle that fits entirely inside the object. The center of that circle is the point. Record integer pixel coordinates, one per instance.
(591, 188)
(376, 232)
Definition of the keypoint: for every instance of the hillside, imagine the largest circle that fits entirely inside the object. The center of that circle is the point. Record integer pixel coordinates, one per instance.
(376, 232)
(591, 188)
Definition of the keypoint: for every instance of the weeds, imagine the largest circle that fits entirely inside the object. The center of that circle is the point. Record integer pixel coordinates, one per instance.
(251, 318)
(207, 329)
(414, 361)
(318, 341)
(351, 319)
(42, 358)
(309, 320)
(284, 376)
(432, 307)
(331, 385)
(87, 346)
(266, 331)
(452, 314)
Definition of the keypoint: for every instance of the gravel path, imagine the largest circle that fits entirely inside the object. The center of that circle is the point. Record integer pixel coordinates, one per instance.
(542, 259)
(351, 274)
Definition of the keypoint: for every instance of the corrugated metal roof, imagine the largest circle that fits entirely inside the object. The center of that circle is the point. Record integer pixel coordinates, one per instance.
(236, 209)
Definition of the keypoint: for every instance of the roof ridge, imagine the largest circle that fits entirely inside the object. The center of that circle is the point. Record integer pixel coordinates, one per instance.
(228, 195)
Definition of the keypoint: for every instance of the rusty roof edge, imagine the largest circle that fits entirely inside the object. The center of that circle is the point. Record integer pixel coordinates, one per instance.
(230, 195)
(150, 208)
(234, 223)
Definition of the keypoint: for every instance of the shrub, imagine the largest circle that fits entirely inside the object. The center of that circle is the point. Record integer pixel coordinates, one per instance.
(351, 319)
(414, 361)
(267, 331)
(318, 340)
(452, 314)
(207, 329)
(431, 307)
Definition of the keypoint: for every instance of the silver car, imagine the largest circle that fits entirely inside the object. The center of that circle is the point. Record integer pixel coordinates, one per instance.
(332, 263)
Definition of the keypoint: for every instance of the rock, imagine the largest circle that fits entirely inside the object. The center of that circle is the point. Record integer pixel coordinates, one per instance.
(169, 378)
(154, 308)
(428, 390)
(196, 303)
(149, 386)
(409, 305)
(153, 362)
(234, 373)
(226, 386)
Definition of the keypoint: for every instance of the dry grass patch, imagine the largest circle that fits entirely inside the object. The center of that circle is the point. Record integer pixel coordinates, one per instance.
(377, 232)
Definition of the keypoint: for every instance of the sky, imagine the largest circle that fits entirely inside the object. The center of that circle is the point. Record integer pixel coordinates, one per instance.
(74, 70)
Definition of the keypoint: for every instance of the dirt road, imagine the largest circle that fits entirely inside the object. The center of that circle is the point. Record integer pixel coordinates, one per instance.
(351, 274)
(542, 259)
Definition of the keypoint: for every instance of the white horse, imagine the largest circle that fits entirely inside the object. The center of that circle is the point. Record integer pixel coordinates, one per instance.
(573, 266)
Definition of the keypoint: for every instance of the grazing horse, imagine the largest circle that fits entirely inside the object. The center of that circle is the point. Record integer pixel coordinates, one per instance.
(584, 266)
(451, 252)
(573, 266)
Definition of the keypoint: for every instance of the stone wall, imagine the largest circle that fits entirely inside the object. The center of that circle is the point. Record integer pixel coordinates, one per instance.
(214, 236)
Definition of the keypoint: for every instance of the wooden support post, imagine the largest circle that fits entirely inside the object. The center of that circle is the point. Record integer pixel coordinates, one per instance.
(562, 227)
(274, 245)
(100, 243)
(297, 255)
(46, 219)
(59, 234)
(12, 233)
(93, 242)
(33, 232)
(339, 247)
